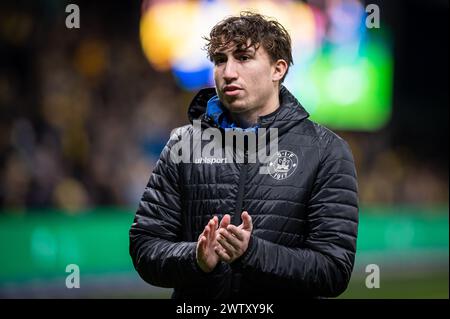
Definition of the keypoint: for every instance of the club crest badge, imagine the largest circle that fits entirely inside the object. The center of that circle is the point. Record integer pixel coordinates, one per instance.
(283, 165)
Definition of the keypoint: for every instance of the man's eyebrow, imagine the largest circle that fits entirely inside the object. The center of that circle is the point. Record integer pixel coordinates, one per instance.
(249, 50)
(218, 53)
(242, 50)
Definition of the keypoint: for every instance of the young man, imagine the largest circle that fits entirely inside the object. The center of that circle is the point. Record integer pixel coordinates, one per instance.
(224, 229)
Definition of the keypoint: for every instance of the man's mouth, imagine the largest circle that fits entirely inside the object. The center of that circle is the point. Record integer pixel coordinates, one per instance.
(231, 90)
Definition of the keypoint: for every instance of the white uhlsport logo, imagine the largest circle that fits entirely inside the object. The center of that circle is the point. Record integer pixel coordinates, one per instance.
(283, 165)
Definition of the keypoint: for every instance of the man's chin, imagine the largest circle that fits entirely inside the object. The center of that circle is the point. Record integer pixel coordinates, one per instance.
(237, 109)
(235, 106)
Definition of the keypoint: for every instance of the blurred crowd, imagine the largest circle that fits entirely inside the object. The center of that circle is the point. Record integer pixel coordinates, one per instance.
(84, 118)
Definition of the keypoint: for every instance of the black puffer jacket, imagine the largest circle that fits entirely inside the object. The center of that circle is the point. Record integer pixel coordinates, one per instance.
(304, 221)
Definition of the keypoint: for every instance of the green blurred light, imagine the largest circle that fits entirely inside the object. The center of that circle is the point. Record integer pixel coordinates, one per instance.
(345, 85)
(353, 93)
(44, 248)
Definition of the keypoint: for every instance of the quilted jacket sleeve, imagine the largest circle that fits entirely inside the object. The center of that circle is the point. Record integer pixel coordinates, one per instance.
(322, 266)
(158, 255)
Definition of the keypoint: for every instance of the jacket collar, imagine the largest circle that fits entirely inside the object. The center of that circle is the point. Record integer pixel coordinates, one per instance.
(290, 109)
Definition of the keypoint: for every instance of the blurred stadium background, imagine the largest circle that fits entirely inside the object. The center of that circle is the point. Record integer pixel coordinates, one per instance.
(85, 113)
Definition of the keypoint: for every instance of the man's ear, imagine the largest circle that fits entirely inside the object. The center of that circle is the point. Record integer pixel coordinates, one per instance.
(280, 68)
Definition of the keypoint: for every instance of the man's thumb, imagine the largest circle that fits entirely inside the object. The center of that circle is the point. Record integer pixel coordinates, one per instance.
(247, 221)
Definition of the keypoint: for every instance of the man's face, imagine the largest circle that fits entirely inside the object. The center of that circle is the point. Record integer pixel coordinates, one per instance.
(244, 78)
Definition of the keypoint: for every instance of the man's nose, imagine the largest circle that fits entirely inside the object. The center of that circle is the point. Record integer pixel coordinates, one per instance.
(230, 72)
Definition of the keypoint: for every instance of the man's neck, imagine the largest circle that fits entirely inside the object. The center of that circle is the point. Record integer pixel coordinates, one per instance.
(250, 118)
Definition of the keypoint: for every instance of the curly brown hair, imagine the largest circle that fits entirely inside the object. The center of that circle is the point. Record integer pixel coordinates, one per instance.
(258, 29)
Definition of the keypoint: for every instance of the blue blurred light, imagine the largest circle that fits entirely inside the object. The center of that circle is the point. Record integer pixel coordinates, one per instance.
(193, 80)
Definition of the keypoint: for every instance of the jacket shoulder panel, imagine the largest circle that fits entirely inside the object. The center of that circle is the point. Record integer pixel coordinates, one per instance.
(181, 132)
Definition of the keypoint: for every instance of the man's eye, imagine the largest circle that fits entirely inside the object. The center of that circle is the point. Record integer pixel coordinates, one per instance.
(244, 58)
(218, 61)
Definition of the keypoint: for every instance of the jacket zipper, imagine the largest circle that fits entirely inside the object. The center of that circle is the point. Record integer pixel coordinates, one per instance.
(236, 271)
(240, 198)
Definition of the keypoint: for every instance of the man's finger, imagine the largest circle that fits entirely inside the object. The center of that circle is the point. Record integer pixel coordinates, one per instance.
(202, 245)
(211, 230)
(225, 221)
(222, 254)
(247, 221)
(232, 240)
(206, 235)
(236, 232)
(226, 245)
(206, 232)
